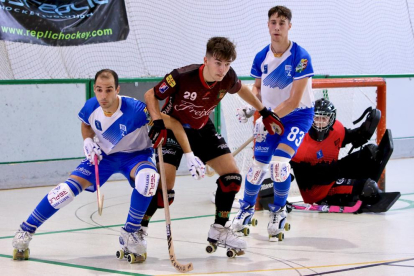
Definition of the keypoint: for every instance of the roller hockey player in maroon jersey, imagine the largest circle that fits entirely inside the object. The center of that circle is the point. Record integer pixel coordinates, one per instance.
(191, 93)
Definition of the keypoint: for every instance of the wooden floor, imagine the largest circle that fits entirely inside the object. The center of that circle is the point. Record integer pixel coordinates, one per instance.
(77, 241)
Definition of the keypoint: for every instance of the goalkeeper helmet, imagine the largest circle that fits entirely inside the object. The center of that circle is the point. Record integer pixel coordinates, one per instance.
(325, 115)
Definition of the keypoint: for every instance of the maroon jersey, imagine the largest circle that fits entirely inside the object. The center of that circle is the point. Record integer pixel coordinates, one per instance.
(189, 98)
(311, 151)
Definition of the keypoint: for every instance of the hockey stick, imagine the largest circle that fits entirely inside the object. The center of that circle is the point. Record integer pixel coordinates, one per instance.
(173, 259)
(98, 190)
(328, 208)
(210, 172)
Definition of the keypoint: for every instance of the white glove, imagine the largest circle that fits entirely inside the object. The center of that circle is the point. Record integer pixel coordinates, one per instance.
(195, 166)
(259, 131)
(90, 148)
(243, 114)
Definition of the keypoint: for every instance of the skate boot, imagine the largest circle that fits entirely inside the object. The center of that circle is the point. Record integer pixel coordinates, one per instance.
(244, 218)
(223, 236)
(133, 246)
(277, 224)
(20, 243)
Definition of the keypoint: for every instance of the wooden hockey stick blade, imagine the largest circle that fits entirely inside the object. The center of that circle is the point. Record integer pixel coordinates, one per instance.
(209, 170)
(180, 267)
(100, 198)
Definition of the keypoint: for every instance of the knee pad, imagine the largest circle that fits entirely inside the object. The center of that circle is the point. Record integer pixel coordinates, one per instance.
(146, 179)
(279, 168)
(230, 183)
(60, 196)
(160, 201)
(257, 172)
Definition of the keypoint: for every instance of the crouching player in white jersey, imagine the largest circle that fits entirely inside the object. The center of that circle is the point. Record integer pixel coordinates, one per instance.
(283, 72)
(119, 126)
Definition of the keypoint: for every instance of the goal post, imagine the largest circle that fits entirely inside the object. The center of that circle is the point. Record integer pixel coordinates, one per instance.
(351, 96)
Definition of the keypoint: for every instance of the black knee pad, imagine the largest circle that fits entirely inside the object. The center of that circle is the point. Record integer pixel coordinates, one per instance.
(160, 201)
(230, 183)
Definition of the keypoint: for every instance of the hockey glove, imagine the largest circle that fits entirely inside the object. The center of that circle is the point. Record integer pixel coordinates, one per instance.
(90, 148)
(195, 166)
(243, 114)
(259, 131)
(272, 122)
(158, 133)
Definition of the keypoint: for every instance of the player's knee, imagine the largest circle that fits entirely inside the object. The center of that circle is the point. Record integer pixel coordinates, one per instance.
(279, 168)
(146, 179)
(160, 200)
(62, 195)
(230, 183)
(257, 172)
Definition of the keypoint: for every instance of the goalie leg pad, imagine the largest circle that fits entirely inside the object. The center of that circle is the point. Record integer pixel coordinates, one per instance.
(146, 180)
(160, 201)
(279, 168)
(257, 172)
(60, 196)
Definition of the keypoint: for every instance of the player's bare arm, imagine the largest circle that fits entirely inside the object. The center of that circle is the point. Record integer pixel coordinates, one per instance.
(256, 89)
(152, 104)
(87, 131)
(178, 131)
(246, 94)
(296, 93)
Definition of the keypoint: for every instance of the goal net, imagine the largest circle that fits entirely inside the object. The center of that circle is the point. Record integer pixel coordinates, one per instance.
(351, 98)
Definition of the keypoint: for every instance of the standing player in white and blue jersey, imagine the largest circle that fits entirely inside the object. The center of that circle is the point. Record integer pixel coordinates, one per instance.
(283, 72)
(114, 128)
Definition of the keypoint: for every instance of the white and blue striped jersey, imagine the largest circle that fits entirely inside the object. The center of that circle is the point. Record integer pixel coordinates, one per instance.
(278, 73)
(125, 131)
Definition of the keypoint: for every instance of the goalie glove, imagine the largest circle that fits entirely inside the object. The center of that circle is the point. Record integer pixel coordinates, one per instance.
(259, 131)
(90, 148)
(243, 114)
(195, 166)
(158, 133)
(272, 122)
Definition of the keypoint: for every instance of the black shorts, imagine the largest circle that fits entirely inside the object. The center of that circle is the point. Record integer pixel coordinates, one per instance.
(206, 144)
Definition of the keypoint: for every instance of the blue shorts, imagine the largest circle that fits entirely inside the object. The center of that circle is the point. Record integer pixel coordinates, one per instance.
(296, 124)
(119, 162)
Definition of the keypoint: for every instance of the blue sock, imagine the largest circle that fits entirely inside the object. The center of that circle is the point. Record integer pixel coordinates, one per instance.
(44, 210)
(139, 205)
(250, 192)
(281, 192)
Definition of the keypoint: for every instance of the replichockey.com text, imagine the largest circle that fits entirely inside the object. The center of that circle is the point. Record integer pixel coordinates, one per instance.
(54, 35)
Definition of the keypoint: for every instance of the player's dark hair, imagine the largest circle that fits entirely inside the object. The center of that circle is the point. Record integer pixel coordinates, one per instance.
(104, 74)
(222, 48)
(281, 11)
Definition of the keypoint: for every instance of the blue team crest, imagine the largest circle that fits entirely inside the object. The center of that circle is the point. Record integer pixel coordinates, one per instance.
(98, 125)
(265, 69)
(288, 70)
(319, 154)
(123, 129)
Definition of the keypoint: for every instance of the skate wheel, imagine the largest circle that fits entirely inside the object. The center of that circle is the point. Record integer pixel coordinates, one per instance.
(131, 258)
(280, 236)
(254, 222)
(246, 231)
(231, 253)
(120, 254)
(14, 254)
(26, 254)
(141, 258)
(21, 254)
(287, 226)
(211, 249)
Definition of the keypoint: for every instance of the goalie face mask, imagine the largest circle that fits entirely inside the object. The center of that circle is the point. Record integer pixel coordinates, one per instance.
(325, 115)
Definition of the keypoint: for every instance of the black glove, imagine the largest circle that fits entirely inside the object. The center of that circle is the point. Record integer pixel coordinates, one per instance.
(271, 122)
(158, 133)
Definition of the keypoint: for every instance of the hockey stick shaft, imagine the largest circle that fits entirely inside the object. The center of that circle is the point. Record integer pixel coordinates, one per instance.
(98, 189)
(210, 171)
(328, 208)
(173, 259)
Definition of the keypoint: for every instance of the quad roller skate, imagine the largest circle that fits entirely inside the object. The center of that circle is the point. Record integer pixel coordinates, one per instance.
(223, 236)
(133, 246)
(20, 243)
(244, 218)
(277, 224)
